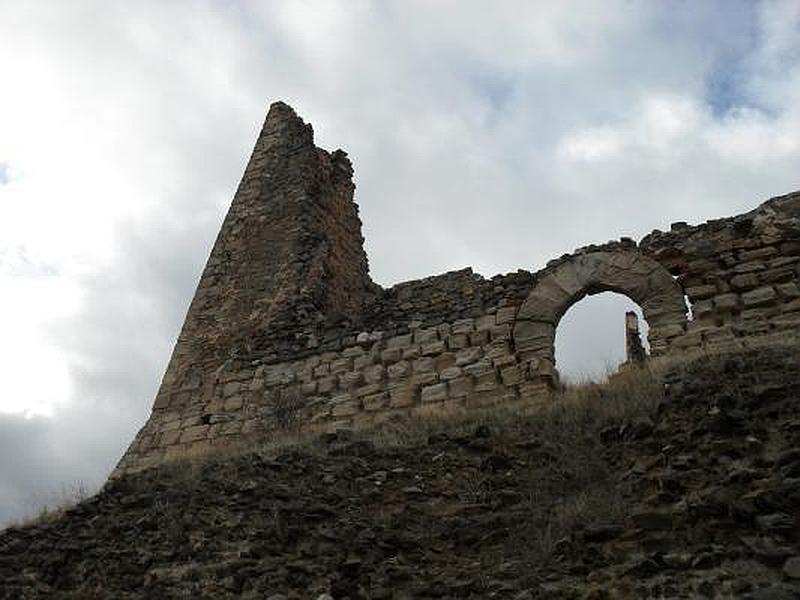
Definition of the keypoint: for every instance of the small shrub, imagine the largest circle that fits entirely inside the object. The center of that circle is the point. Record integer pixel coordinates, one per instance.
(56, 503)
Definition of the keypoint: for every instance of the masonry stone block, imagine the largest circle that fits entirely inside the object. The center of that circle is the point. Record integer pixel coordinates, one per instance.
(402, 396)
(376, 402)
(468, 356)
(726, 302)
(757, 254)
(169, 438)
(424, 365)
(326, 385)
(341, 365)
(450, 373)
(428, 378)
(425, 336)
(360, 363)
(322, 370)
(231, 388)
(411, 353)
(445, 361)
(460, 387)
(512, 375)
(479, 338)
(458, 341)
(479, 368)
(194, 433)
(701, 292)
(399, 342)
(352, 352)
(434, 393)
(534, 335)
(350, 379)
(500, 333)
(374, 374)
(506, 315)
(486, 381)
(433, 348)
(398, 370)
(759, 296)
(233, 403)
(463, 327)
(391, 355)
(779, 275)
(367, 390)
(788, 290)
(745, 281)
(485, 323)
(345, 409)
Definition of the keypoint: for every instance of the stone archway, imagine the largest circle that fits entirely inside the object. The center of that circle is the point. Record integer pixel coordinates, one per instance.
(627, 272)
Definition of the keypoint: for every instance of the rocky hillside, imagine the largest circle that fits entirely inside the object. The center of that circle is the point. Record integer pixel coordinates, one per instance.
(685, 485)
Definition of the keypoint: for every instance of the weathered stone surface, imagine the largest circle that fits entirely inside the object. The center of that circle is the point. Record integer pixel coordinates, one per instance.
(701, 292)
(450, 373)
(468, 356)
(374, 374)
(402, 396)
(725, 302)
(757, 297)
(434, 393)
(460, 387)
(744, 282)
(398, 370)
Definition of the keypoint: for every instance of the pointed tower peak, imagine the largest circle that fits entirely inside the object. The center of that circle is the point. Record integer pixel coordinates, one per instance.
(283, 121)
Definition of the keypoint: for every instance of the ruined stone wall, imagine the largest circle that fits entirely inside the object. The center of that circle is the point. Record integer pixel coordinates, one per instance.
(447, 344)
(740, 274)
(287, 331)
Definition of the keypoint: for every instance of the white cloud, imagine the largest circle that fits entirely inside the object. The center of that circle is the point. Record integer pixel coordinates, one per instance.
(494, 138)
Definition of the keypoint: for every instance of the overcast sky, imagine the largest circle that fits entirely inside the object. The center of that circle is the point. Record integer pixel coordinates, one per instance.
(496, 138)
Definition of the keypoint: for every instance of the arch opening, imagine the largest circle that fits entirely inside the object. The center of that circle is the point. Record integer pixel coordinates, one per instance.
(626, 272)
(593, 338)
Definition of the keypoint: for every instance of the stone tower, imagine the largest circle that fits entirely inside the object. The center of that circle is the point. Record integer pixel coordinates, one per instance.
(289, 257)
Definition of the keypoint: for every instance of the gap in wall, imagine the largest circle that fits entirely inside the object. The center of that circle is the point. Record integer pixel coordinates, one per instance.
(590, 339)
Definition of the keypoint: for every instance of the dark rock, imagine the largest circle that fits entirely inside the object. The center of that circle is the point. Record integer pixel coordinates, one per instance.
(767, 549)
(791, 568)
(601, 532)
(777, 591)
(652, 520)
(776, 523)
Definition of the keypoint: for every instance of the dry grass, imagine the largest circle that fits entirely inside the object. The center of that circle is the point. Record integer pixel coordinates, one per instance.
(55, 504)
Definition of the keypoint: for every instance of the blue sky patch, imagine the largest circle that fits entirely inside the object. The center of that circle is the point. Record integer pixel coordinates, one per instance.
(3, 173)
(725, 89)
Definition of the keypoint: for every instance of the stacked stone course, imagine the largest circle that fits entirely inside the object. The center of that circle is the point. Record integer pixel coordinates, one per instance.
(287, 329)
(740, 274)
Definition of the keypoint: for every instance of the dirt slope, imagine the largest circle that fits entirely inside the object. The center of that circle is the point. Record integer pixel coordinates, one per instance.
(619, 492)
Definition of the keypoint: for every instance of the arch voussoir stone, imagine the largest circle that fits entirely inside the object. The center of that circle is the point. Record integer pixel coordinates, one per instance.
(627, 272)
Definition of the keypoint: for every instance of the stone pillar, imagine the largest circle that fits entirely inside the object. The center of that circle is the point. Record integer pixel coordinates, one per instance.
(633, 341)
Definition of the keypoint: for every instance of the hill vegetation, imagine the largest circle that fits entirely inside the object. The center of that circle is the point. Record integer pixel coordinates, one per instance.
(679, 481)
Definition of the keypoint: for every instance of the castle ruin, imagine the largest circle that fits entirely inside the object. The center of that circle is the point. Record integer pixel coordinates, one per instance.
(286, 327)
